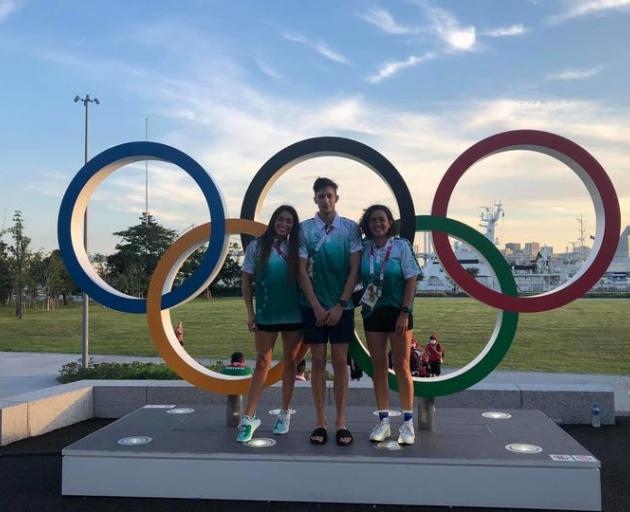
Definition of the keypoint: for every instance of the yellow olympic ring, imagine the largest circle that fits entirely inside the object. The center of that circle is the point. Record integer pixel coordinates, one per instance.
(159, 320)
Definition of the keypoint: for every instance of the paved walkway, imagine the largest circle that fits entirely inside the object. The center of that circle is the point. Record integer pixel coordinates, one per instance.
(21, 372)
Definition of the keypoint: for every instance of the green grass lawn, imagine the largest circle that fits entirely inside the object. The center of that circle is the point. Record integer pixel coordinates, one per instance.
(589, 335)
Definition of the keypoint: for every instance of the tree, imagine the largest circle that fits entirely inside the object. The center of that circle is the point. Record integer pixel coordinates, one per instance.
(49, 275)
(472, 271)
(35, 278)
(141, 246)
(99, 262)
(6, 282)
(67, 286)
(19, 253)
(230, 275)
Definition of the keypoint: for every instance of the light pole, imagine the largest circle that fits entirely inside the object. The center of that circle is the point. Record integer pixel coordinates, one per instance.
(146, 176)
(86, 300)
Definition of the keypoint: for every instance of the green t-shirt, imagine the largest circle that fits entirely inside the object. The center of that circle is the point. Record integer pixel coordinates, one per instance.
(330, 255)
(400, 266)
(236, 371)
(277, 297)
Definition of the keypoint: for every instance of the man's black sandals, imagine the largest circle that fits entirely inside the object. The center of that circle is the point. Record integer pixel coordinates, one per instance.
(319, 436)
(344, 437)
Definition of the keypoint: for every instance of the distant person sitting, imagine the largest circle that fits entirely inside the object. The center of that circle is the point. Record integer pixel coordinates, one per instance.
(435, 351)
(179, 333)
(237, 366)
(300, 371)
(424, 370)
(415, 359)
(418, 360)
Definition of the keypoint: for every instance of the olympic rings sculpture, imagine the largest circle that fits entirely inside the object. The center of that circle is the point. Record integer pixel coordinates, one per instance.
(160, 299)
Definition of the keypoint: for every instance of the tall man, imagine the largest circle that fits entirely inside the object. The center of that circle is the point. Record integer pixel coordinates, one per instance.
(330, 254)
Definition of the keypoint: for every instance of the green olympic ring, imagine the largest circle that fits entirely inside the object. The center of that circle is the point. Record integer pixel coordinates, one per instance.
(505, 328)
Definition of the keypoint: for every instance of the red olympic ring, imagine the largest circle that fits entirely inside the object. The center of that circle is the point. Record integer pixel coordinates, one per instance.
(607, 212)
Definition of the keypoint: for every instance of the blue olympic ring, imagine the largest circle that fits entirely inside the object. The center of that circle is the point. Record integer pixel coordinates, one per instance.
(74, 203)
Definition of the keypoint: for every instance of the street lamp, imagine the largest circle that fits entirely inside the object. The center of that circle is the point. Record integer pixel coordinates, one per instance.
(86, 300)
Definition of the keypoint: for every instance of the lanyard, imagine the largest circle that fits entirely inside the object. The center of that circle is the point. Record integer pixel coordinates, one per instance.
(278, 247)
(327, 230)
(388, 252)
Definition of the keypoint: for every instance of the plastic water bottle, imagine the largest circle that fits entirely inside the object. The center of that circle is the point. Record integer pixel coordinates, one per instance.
(596, 419)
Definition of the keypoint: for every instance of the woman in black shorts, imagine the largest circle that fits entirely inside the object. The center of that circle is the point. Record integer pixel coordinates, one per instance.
(388, 270)
(271, 261)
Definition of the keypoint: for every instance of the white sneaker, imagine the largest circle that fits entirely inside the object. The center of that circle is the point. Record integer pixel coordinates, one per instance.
(406, 434)
(283, 421)
(246, 429)
(381, 431)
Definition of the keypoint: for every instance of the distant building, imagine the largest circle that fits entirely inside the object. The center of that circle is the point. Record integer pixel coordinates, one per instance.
(512, 248)
(531, 248)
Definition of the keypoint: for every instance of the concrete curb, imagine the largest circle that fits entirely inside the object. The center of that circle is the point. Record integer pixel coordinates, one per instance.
(35, 413)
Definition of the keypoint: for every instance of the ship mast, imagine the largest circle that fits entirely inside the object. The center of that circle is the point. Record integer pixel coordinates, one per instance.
(582, 237)
(489, 216)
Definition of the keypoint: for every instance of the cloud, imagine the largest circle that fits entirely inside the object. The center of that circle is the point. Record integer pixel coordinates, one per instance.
(389, 69)
(513, 30)
(574, 74)
(455, 36)
(521, 113)
(267, 69)
(50, 183)
(232, 139)
(589, 7)
(319, 46)
(8, 7)
(385, 21)
(579, 119)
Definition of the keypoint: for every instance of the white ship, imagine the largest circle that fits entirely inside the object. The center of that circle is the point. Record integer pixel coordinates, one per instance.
(434, 279)
(536, 271)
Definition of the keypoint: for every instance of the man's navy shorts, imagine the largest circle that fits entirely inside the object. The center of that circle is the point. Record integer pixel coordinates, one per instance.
(343, 332)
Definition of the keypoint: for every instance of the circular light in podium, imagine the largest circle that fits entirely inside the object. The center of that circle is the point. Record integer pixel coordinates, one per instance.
(134, 440)
(261, 442)
(392, 413)
(496, 415)
(275, 412)
(388, 445)
(523, 448)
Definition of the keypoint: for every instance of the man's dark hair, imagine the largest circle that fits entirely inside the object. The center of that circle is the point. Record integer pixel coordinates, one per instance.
(322, 183)
(237, 357)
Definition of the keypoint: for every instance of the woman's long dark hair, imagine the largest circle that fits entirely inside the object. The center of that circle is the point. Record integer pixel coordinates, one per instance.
(364, 223)
(267, 238)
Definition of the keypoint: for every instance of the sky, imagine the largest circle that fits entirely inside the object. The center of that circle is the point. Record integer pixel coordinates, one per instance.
(232, 83)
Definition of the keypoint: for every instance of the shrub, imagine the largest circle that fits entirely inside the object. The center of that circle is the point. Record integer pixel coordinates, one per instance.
(119, 371)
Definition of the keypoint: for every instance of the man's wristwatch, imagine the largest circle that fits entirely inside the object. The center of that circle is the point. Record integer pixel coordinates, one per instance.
(405, 309)
(343, 303)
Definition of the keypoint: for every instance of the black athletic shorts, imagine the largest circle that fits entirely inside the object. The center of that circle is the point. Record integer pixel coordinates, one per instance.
(384, 320)
(343, 332)
(280, 327)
